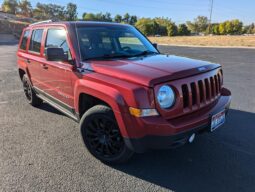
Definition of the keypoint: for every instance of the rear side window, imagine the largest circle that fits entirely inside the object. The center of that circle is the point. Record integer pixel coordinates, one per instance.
(36, 39)
(23, 44)
(57, 38)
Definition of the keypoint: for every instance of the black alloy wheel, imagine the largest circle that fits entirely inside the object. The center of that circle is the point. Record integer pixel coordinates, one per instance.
(102, 137)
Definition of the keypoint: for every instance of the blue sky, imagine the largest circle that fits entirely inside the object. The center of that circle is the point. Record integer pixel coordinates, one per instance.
(178, 10)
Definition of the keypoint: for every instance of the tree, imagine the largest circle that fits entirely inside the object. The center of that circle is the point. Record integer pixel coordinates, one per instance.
(248, 29)
(89, 17)
(71, 12)
(215, 29)
(40, 11)
(97, 17)
(183, 30)
(49, 11)
(83, 15)
(25, 8)
(222, 29)
(157, 26)
(251, 29)
(163, 23)
(126, 18)
(202, 23)
(234, 27)
(105, 17)
(145, 25)
(118, 18)
(133, 20)
(172, 29)
(199, 25)
(10, 6)
(237, 27)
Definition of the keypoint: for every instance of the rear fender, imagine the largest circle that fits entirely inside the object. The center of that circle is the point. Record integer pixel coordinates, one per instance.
(22, 64)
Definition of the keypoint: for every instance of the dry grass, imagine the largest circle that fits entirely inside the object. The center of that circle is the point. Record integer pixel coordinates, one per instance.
(231, 41)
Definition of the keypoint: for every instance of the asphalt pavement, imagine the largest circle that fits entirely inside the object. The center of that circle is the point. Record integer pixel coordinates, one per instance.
(42, 150)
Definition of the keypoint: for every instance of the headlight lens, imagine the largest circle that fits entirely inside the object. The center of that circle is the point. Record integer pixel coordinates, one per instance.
(166, 97)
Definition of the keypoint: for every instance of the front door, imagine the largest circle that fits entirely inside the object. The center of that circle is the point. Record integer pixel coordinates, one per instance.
(56, 75)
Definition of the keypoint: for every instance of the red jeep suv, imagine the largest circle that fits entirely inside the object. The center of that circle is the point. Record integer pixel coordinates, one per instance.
(126, 96)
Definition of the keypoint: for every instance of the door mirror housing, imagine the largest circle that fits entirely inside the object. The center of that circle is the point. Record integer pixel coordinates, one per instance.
(155, 45)
(55, 54)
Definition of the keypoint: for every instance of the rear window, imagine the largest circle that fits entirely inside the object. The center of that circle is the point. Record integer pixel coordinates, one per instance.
(36, 39)
(23, 44)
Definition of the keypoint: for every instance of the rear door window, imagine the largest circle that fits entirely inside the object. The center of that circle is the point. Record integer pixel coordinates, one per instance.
(23, 44)
(36, 40)
(57, 38)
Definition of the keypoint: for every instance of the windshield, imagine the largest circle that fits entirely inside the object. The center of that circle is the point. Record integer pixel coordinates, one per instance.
(104, 42)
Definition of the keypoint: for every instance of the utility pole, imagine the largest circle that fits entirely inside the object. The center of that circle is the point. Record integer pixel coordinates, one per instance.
(210, 20)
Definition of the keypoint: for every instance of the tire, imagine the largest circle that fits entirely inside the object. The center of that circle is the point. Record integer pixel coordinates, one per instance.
(30, 93)
(101, 135)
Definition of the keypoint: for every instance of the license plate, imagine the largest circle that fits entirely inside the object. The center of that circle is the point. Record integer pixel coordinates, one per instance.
(217, 120)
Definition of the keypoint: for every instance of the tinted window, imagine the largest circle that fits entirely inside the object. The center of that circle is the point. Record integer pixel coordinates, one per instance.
(57, 38)
(129, 40)
(36, 39)
(23, 44)
(112, 41)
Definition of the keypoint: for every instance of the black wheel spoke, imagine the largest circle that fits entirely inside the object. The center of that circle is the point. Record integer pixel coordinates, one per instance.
(27, 89)
(104, 137)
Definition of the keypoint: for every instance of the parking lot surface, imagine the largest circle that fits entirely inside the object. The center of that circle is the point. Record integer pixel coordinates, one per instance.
(42, 150)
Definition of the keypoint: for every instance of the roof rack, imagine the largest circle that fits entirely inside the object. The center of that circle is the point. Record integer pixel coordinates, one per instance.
(41, 22)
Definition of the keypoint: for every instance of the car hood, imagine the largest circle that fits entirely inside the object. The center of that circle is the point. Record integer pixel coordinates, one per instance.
(152, 69)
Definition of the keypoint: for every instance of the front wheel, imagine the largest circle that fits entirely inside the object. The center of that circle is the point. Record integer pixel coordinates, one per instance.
(102, 137)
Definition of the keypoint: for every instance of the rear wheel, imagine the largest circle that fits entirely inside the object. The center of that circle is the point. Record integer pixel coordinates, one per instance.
(29, 92)
(102, 137)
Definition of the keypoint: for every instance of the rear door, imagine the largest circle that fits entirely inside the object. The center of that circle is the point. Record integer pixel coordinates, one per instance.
(34, 57)
(56, 75)
(22, 55)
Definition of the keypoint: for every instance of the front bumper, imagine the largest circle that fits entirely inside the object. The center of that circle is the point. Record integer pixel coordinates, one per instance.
(158, 133)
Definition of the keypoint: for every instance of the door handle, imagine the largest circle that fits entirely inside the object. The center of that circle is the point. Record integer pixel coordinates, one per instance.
(28, 61)
(44, 66)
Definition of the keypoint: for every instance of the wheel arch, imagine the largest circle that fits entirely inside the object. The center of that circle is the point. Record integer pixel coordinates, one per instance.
(101, 94)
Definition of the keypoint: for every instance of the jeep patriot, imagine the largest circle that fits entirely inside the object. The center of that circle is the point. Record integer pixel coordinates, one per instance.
(126, 96)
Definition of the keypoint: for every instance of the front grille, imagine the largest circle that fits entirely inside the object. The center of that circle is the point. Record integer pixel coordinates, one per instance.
(201, 92)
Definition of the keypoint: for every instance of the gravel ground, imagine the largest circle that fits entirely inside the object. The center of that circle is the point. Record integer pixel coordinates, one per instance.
(42, 150)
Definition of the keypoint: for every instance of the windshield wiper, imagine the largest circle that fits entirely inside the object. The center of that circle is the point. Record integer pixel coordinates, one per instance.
(109, 56)
(145, 53)
(113, 56)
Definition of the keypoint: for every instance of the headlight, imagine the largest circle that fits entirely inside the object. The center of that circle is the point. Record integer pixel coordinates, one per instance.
(166, 97)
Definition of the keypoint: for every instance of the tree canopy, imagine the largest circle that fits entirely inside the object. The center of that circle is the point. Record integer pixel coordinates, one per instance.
(149, 26)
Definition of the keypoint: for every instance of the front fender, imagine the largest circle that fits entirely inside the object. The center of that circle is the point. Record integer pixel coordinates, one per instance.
(105, 93)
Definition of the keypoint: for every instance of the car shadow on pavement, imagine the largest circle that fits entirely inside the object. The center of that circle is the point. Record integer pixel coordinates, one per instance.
(221, 161)
(49, 108)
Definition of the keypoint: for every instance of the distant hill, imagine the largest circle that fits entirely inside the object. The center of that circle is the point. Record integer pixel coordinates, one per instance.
(13, 24)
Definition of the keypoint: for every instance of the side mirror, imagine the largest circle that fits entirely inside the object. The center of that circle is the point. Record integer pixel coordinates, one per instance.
(55, 54)
(155, 45)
